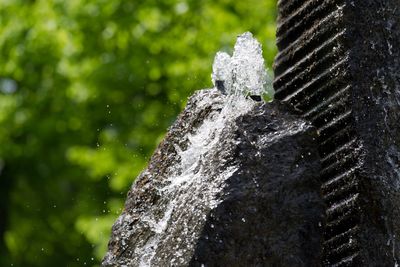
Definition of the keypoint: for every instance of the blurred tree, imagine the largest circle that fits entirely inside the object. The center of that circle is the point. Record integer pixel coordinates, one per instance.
(87, 90)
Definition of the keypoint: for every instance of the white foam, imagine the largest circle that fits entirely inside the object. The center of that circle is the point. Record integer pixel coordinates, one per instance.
(241, 75)
(244, 73)
(190, 183)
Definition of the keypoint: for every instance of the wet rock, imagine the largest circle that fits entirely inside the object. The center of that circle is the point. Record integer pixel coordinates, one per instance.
(234, 183)
(339, 64)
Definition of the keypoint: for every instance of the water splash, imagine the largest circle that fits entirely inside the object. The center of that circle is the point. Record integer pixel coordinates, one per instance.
(188, 181)
(239, 75)
(244, 73)
(222, 72)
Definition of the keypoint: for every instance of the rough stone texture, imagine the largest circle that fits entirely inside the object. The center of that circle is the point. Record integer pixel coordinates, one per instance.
(339, 64)
(250, 199)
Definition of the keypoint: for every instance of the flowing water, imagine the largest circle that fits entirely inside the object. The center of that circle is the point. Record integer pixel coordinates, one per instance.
(238, 76)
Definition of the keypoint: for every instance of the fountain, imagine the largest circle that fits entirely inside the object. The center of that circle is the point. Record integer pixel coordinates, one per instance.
(233, 183)
(237, 181)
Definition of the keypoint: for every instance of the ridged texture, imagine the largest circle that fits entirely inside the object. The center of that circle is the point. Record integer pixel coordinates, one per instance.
(310, 71)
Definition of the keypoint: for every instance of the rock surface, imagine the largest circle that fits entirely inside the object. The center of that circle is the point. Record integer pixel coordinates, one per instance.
(234, 183)
(339, 64)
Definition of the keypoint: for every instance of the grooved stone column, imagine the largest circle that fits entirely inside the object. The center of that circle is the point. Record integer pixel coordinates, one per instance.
(339, 64)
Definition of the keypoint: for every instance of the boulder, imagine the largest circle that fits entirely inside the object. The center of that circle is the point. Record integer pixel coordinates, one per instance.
(235, 182)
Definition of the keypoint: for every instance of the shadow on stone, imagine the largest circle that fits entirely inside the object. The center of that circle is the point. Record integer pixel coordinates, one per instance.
(234, 183)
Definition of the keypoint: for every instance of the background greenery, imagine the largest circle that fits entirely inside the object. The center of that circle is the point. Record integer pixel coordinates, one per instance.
(87, 90)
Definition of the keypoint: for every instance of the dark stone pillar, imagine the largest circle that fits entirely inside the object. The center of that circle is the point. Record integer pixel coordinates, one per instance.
(339, 64)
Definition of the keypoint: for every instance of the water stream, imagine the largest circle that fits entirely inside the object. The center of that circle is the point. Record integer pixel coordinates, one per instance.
(239, 77)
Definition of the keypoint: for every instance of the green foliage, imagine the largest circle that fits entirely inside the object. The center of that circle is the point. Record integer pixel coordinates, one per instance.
(87, 90)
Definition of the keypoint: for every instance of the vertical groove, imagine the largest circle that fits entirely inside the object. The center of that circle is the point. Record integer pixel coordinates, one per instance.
(311, 75)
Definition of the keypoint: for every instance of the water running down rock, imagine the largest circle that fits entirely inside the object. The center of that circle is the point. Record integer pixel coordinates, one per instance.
(234, 182)
(230, 185)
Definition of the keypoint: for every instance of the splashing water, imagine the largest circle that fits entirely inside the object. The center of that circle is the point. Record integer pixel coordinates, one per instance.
(222, 72)
(190, 182)
(244, 73)
(239, 75)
